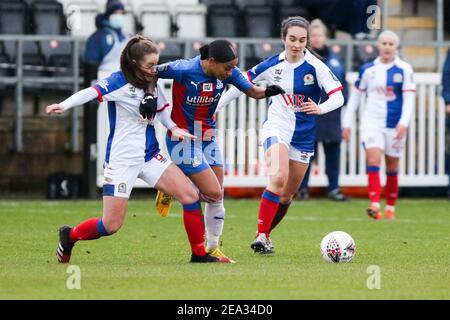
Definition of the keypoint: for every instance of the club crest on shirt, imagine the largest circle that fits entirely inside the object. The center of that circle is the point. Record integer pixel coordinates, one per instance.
(122, 188)
(397, 78)
(308, 79)
(219, 84)
(278, 71)
(207, 87)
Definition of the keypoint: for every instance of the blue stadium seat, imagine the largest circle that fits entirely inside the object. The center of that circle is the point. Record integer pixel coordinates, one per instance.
(47, 17)
(13, 17)
(223, 18)
(189, 18)
(259, 19)
(288, 9)
(155, 20)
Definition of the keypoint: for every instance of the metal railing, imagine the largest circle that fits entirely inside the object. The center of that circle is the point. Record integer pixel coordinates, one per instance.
(190, 50)
(19, 80)
(238, 135)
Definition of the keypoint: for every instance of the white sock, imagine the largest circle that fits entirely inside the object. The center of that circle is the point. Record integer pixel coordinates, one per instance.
(214, 220)
(375, 204)
(390, 208)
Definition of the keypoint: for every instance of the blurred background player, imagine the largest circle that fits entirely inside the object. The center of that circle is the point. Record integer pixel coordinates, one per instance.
(197, 87)
(288, 134)
(328, 130)
(133, 151)
(446, 96)
(388, 85)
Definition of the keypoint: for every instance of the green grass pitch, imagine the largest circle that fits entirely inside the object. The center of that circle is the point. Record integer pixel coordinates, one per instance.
(148, 258)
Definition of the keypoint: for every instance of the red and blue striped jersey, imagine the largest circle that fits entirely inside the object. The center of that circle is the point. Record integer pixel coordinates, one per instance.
(195, 95)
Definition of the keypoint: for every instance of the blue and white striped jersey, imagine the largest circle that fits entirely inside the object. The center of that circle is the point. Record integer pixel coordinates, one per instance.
(301, 80)
(384, 86)
(131, 139)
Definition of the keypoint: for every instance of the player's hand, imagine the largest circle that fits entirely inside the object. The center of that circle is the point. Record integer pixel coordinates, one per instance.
(401, 131)
(273, 90)
(310, 107)
(54, 108)
(447, 109)
(181, 134)
(148, 106)
(346, 134)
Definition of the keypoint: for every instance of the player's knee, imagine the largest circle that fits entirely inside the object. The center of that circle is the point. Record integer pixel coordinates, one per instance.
(279, 179)
(113, 226)
(214, 195)
(373, 161)
(188, 196)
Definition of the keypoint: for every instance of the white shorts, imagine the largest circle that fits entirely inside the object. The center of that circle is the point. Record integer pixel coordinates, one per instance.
(383, 139)
(269, 137)
(119, 180)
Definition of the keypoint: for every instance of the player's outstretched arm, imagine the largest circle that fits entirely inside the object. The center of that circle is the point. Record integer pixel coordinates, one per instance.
(181, 134)
(77, 99)
(230, 95)
(261, 93)
(54, 108)
(164, 117)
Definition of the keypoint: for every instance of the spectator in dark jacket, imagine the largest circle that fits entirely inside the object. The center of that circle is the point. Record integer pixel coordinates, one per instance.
(328, 130)
(446, 96)
(104, 46)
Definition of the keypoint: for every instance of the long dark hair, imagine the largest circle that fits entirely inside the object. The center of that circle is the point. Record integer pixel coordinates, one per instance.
(135, 50)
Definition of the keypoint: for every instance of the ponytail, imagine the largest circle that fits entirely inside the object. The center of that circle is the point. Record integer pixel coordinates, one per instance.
(134, 51)
(204, 52)
(221, 50)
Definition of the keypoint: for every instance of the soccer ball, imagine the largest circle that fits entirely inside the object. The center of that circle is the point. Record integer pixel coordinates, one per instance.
(338, 246)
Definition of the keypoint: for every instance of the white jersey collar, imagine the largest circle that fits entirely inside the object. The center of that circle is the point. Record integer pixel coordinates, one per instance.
(387, 65)
(282, 56)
